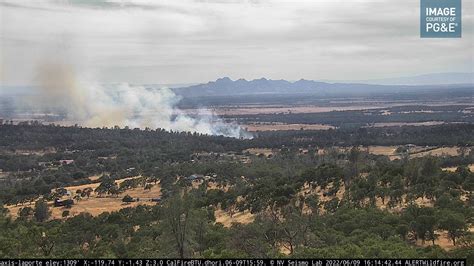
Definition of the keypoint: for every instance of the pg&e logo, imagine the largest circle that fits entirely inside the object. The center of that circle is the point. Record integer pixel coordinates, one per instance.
(440, 19)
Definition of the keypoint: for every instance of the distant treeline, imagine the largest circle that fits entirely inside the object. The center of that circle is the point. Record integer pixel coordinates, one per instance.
(402, 114)
(447, 134)
(178, 145)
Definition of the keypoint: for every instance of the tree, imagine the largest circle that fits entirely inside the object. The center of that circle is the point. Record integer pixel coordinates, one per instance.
(77, 197)
(86, 192)
(148, 186)
(313, 203)
(3, 210)
(114, 191)
(107, 186)
(68, 203)
(177, 215)
(128, 199)
(402, 230)
(454, 223)
(25, 212)
(293, 229)
(422, 222)
(462, 151)
(382, 192)
(65, 213)
(424, 226)
(331, 205)
(42, 212)
(200, 227)
(45, 241)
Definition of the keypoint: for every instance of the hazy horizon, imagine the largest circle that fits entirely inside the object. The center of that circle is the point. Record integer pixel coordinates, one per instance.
(184, 42)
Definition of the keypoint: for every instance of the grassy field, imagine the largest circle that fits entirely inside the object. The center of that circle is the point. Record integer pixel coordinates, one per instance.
(282, 109)
(415, 152)
(454, 168)
(227, 220)
(279, 126)
(96, 205)
(399, 124)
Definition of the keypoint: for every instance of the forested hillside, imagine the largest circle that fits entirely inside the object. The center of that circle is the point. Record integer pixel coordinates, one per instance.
(296, 194)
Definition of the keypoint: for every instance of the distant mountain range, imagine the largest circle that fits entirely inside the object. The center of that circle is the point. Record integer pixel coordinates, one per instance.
(227, 87)
(426, 79)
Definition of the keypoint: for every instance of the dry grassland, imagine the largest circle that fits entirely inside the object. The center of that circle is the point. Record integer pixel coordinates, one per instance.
(399, 124)
(454, 168)
(285, 127)
(224, 217)
(442, 151)
(269, 109)
(96, 205)
(257, 151)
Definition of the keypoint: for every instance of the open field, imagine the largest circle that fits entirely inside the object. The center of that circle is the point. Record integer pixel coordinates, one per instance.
(383, 150)
(96, 184)
(96, 205)
(286, 109)
(279, 126)
(224, 217)
(339, 105)
(454, 168)
(390, 151)
(39, 152)
(264, 151)
(416, 151)
(442, 151)
(400, 124)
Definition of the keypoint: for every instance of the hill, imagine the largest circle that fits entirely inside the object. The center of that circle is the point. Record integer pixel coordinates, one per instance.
(227, 87)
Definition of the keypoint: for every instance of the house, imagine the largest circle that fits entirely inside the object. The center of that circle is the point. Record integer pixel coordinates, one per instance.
(45, 164)
(66, 162)
(107, 157)
(194, 177)
(61, 203)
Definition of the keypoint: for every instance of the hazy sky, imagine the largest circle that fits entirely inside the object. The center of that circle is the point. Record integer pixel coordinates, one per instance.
(173, 41)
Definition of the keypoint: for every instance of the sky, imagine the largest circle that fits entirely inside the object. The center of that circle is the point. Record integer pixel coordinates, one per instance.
(193, 41)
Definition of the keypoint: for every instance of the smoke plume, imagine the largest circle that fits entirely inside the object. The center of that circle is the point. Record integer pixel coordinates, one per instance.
(95, 105)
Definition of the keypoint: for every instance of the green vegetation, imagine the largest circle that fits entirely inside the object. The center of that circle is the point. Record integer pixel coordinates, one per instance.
(354, 119)
(339, 203)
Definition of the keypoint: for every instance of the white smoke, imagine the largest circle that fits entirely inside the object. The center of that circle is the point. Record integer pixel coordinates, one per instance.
(95, 105)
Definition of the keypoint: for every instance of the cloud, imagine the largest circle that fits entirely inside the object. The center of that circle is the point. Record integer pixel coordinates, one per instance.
(174, 41)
